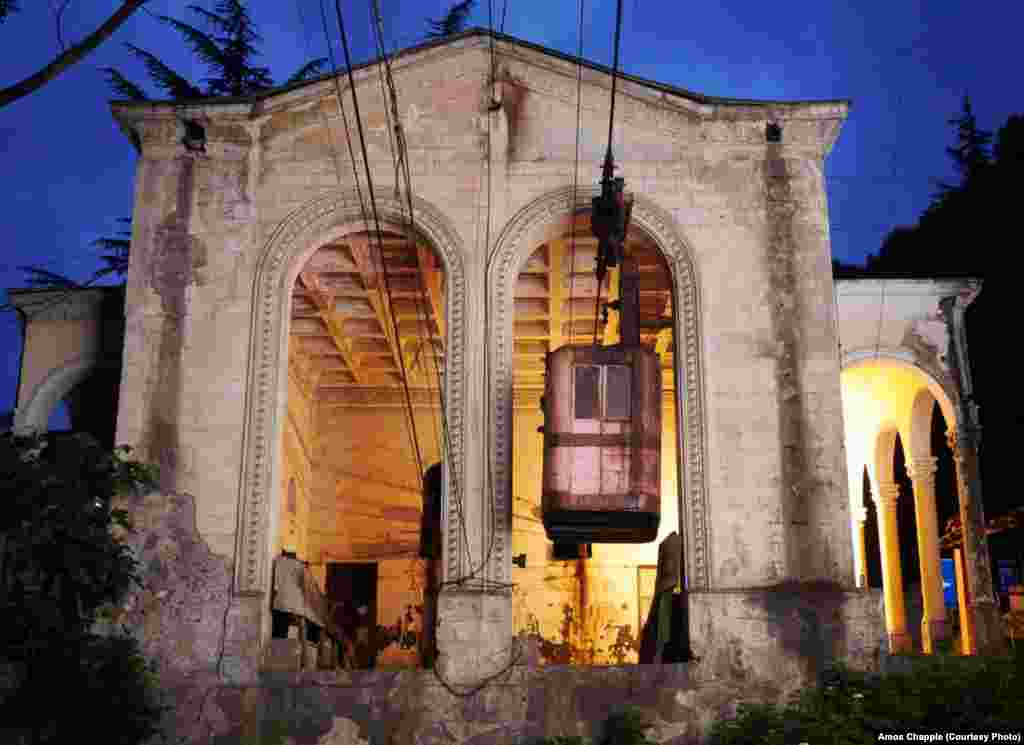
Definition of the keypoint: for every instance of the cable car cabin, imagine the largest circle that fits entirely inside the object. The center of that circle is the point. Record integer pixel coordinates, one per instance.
(602, 444)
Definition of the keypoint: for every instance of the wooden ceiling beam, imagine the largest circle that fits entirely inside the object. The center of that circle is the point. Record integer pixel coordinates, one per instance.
(371, 270)
(332, 320)
(432, 277)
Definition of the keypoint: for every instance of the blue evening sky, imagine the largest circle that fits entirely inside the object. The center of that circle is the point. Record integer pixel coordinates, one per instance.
(66, 172)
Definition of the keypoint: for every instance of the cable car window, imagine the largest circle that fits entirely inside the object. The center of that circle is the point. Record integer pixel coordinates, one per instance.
(587, 392)
(617, 392)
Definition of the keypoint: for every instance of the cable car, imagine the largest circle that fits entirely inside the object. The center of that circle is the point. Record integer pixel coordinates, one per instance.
(602, 414)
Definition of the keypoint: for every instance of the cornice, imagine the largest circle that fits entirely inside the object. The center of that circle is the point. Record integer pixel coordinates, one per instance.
(62, 305)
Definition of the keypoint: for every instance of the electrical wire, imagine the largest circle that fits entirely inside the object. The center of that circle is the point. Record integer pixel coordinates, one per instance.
(575, 175)
(611, 126)
(615, 71)
(344, 117)
(402, 158)
(376, 220)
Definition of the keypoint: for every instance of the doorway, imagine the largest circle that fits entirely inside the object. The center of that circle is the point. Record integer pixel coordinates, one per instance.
(352, 598)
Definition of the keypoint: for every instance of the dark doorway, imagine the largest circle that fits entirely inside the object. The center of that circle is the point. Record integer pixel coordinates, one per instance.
(352, 595)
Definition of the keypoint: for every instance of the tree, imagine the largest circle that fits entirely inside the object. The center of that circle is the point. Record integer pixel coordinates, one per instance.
(114, 252)
(968, 230)
(7, 7)
(956, 235)
(453, 22)
(970, 154)
(70, 56)
(227, 50)
(60, 565)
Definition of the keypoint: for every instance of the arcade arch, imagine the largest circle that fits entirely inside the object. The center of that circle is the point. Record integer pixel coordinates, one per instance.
(888, 408)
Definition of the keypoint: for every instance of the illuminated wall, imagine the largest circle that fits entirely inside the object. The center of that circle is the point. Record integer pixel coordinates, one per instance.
(583, 612)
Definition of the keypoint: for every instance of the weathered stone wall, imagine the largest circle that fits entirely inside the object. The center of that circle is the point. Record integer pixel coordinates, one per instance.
(394, 708)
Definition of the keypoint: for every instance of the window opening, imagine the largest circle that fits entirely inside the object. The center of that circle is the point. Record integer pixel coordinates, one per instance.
(602, 392)
(617, 391)
(588, 392)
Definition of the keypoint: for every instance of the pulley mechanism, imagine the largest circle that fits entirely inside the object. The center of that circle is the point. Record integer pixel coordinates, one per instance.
(610, 219)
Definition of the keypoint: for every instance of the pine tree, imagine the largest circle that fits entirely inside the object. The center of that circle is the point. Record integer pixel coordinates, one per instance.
(228, 50)
(453, 22)
(971, 154)
(113, 253)
(7, 7)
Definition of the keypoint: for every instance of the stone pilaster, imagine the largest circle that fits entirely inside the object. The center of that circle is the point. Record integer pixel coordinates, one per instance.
(989, 631)
(860, 517)
(474, 636)
(892, 570)
(933, 622)
(984, 621)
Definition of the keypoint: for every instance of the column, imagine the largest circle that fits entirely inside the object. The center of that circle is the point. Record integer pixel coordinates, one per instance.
(988, 635)
(860, 517)
(933, 622)
(966, 635)
(892, 570)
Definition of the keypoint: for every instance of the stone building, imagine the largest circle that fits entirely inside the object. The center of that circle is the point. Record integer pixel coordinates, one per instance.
(294, 377)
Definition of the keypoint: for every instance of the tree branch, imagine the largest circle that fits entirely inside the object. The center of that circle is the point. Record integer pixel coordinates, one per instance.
(71, 56)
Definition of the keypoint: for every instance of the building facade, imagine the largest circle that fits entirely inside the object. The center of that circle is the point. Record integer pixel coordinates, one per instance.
(299, 347)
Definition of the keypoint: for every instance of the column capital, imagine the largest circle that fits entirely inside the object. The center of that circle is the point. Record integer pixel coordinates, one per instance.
(888, 495)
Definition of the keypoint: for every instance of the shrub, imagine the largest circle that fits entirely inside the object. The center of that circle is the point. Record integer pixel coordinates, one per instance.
(59, 565)
(623, 727)
(935, 695)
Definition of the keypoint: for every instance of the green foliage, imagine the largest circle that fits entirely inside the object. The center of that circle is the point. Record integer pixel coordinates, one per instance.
(59, 566)
(272, 732)
(971, 154)
(938, 694)
(7, 7)
(960, 232)
(113, 253)
(227, 48)
(625, 726)
(453, 22)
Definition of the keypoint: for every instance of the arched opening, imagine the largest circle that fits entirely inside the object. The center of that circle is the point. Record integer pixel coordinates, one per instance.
(362, 426)
(60, 418)
(78, 397)
(583, 604)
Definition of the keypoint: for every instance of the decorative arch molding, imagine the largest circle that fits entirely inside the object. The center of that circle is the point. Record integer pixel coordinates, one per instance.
(939, 383)
(530, 227)
(34, 416)
(290, 244)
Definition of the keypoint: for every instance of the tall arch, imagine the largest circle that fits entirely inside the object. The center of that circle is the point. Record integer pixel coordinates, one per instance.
(529, 227)
(285, 252)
